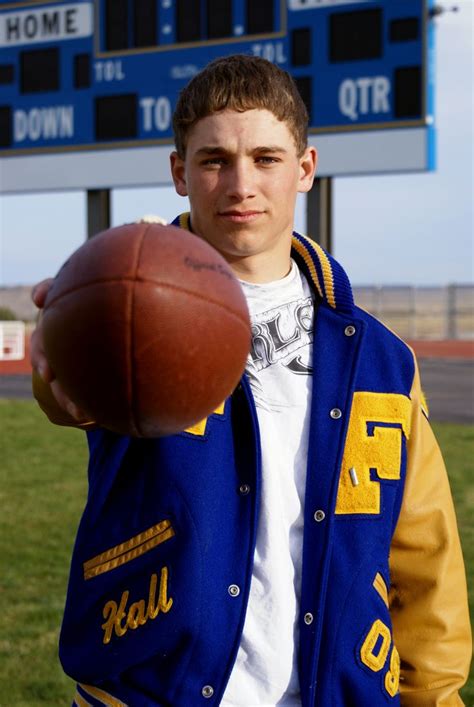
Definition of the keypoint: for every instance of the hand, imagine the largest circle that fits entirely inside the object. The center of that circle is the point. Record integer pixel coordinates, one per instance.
(39, 361)
(42, 368)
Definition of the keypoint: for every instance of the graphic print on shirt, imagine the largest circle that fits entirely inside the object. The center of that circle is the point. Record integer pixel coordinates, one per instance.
(280, 333)
(281, 339)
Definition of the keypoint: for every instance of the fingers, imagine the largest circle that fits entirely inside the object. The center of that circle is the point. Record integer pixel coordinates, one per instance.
(39, 361)
(41, 366)
(53, 410)
(67, 404)
(40, 290)
(38, 358)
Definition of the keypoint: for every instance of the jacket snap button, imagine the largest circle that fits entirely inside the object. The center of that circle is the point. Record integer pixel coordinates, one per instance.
(350, 330)
(319, 516)
(244, 489)
(234, 590)
(335, 413)
(207, 691)
(308, 618)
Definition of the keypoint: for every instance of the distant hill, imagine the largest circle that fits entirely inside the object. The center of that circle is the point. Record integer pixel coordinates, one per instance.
(18, 300)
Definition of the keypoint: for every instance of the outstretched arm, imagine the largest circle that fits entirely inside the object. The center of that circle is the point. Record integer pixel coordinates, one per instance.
(428, 600)
(51, 398)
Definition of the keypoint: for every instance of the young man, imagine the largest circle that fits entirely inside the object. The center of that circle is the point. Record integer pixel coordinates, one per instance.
(303, 549)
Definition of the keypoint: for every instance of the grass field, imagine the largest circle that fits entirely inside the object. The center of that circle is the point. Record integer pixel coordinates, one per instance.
(42, 492)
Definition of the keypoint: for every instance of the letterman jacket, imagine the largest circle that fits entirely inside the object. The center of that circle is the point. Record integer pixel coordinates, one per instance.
(162, 563)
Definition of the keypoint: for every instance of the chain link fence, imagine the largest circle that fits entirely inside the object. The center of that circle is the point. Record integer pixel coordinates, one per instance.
(422, 312)
(413, 312)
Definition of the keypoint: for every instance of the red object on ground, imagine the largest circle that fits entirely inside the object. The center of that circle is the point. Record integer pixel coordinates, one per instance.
(456, 348)
(12, 368)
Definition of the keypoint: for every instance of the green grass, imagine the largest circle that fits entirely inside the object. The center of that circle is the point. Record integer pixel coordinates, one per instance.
(43, 487)
(457, 444)
(42, 493)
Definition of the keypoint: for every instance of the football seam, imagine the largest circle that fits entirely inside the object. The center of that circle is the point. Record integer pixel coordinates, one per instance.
(151, 282)
(131, 333)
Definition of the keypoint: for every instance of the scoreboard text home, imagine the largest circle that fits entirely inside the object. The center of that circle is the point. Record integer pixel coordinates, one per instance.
(106, 74)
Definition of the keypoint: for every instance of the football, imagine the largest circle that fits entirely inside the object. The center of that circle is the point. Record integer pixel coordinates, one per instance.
(146, 329)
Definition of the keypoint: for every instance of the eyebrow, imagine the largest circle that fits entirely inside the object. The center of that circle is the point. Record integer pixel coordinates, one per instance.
(217, 149)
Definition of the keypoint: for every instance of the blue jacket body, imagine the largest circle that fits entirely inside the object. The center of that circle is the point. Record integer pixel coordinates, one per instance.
(170, 524)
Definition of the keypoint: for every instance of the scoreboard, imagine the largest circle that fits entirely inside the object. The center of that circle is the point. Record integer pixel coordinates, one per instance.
(88, 88)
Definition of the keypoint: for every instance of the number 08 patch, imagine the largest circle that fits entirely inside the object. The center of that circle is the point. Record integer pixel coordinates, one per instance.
(375, 648)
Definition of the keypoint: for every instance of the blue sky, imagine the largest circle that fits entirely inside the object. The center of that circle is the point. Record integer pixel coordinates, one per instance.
(409, 229)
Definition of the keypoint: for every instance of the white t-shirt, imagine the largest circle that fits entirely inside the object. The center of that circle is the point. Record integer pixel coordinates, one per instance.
(279, 370)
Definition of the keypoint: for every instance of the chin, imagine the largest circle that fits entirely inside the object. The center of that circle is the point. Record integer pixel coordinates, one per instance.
(236, 245)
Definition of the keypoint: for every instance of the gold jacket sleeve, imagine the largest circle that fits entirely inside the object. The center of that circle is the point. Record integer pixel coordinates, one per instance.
(428, 598)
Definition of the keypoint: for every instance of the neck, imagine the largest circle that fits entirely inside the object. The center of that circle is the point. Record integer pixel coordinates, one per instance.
(259, 270)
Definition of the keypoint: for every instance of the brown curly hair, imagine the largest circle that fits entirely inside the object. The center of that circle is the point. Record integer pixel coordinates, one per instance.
(240, 82)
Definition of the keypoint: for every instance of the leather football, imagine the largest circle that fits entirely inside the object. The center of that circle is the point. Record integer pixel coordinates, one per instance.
(146, 329)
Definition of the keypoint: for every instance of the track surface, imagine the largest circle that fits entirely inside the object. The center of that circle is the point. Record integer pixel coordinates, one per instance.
(449, 388)
(448, 384)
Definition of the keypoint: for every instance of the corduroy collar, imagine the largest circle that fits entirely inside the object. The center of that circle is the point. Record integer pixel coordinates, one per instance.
(327, 276)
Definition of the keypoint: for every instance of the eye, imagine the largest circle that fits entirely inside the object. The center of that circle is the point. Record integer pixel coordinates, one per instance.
(267, 159)
(213, 162)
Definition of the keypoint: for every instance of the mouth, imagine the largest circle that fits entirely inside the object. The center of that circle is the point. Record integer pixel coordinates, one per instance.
(236, 216)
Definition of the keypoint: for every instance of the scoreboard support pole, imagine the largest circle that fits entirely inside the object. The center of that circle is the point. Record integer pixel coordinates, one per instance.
(98, 211)
(319, 212)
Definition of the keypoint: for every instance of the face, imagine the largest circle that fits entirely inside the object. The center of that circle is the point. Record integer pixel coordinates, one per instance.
(242, 174)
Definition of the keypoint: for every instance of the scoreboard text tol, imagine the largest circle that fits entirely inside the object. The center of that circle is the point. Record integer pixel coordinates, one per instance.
(97, 75)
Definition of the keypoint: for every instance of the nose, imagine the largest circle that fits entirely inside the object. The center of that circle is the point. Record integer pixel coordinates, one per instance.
(241, 181)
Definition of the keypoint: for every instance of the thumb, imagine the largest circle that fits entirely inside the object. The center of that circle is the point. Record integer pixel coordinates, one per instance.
(40, 290)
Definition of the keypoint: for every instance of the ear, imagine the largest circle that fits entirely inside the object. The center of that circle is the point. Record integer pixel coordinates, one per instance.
(178, 172)
(308, 163)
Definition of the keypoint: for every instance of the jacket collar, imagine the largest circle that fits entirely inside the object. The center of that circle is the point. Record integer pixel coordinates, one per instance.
(323, 271)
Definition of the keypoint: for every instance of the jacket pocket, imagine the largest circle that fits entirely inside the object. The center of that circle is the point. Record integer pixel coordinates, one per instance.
(128, 550)
(364, 662)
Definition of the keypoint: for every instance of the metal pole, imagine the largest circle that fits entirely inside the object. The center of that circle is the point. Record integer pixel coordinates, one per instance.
(98, 211)
(451, 328)
(319, 212)
(412, 312)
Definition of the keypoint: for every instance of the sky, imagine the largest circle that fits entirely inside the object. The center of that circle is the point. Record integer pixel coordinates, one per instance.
(399, 229)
